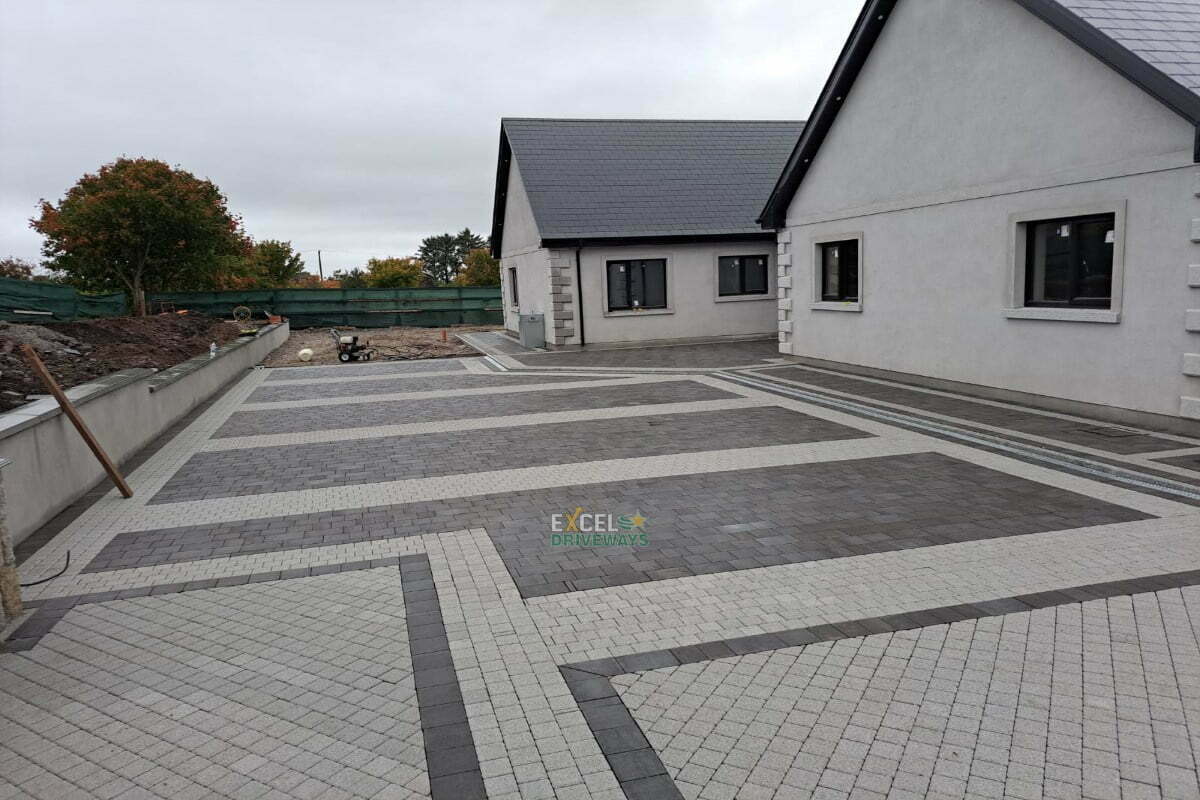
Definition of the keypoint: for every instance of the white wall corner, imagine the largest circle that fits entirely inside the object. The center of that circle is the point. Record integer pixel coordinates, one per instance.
(1196, 230)
(784, 236)
(1192, 322)
(785, 303)
(1196, 183)
(785, 326)
(1194, 275)
(785, 282)
(784, 260)
(1191, 364)
(1189, 407)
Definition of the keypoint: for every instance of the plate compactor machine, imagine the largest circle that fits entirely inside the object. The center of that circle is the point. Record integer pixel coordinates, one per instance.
(348, 348)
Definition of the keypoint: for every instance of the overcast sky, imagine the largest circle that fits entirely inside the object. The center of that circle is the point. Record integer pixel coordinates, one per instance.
(360, 127)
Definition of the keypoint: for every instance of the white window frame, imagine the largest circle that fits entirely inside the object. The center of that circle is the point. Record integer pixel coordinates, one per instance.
(514, 280)
(1017, 242)
(637, 256)
(772, 293)
(814, 251)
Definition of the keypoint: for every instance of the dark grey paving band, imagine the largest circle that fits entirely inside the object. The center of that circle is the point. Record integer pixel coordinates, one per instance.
(638, 767)
(450, 756)
(48, 612)
(634, 762)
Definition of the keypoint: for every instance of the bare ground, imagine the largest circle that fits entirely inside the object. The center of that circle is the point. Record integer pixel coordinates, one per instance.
(78, 352)
(406, 343)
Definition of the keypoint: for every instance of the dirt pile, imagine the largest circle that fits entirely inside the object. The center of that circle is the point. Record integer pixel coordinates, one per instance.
(78, 352)
(404, 343)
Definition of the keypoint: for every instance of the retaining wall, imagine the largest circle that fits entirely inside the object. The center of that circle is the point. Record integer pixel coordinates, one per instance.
(52, 466)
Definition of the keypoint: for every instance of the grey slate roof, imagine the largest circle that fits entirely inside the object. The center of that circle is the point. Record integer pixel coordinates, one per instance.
(616, 178)
(1164, 33)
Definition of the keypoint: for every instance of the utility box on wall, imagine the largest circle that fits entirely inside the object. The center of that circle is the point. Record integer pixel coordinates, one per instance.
(532, 328)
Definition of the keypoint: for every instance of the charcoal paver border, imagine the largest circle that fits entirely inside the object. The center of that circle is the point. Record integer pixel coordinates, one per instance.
(451, 759)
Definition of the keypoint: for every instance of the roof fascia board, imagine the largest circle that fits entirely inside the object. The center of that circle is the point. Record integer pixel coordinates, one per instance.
(500, 201)
(1173, 95)
(862, 39)
(849, 63)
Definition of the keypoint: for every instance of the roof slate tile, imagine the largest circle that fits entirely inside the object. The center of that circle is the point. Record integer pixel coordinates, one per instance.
(593, 178)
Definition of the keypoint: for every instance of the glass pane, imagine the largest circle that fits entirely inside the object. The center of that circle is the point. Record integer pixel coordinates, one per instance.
(850, 270)
(1094, 284)
(729, 277)
(1049, 265)
(756, 274)
(618, 285)
(655, 286)
(637, 289)
(831, 261)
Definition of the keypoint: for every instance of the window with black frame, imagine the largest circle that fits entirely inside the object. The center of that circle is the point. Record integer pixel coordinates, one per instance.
(512, 286)
(741, 275)
(637, 284)
(839, 270)
(1069, 261)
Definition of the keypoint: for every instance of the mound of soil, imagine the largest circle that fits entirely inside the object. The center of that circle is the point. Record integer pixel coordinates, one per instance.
(78, 352)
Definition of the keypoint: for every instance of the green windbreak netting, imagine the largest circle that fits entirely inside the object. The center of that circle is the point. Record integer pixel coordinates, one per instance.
(360, 308)
(34, 301)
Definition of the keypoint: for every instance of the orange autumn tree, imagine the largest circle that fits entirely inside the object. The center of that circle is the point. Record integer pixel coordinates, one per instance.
(139, 225)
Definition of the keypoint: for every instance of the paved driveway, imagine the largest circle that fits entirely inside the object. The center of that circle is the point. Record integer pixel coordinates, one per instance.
(439, 579)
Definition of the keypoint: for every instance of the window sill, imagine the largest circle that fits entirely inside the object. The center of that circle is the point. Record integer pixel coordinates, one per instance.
(647, 313)
(825, 305)
(1102, 315)
(742, 298)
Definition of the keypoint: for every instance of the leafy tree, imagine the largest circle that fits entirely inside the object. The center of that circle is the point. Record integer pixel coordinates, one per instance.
(352, 279)
(274, 263)
(479, 269)
(395, 273)
(443, 255)
(140, 225)
(13, 267)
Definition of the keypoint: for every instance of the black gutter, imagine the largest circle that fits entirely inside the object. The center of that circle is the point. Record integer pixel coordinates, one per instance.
(849, 63)
(579, 291)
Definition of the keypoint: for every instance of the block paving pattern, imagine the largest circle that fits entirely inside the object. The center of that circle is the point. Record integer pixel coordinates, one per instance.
(699, 524)
(1094, 700)
(320, 391)
(1100, 436)
(826, 606)
(313, 466)
(391, 412)
(220, 693)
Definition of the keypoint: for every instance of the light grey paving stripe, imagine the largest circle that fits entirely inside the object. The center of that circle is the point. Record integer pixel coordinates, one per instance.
(229, 509)
(442, 393)
(680, 611)
(334, 380)
(395, 369)
(512, 420)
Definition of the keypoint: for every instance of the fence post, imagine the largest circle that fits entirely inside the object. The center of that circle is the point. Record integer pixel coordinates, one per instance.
(10, 585)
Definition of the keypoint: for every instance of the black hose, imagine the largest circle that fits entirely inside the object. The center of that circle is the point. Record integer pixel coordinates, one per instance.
(52, 577)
